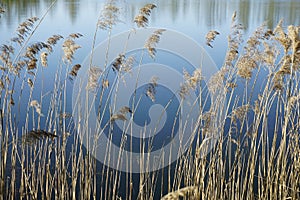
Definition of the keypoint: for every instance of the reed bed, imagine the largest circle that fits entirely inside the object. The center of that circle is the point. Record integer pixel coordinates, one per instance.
(257, 155)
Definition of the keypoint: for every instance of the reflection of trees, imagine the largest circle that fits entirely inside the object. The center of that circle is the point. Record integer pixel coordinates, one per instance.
(17, 9)
(214, 13)
(211, 13)
(73, 7)
(244, 12)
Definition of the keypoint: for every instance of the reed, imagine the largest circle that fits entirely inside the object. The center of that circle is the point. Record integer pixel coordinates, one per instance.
(255, 157)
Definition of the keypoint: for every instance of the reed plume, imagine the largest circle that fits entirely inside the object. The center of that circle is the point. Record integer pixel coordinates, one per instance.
(141, 19)
(70, 47)
(118, 62)
(54, 39)
(74, 70)
(151, 88)
(125, 110)
(245, 65)
(234, 40)
(152, 41)
(121, 114)
(191, 82)
(109, 16)
(5, 56)
(30, 83)
(44, 59)
(118, 116)
(37, 106)
(33, 136)
(24, 29)
(181, 193)
(128, 64)
(93, 77)
(210, 37)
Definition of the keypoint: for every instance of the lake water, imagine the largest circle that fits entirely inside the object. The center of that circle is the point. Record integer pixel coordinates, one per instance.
(191, 18)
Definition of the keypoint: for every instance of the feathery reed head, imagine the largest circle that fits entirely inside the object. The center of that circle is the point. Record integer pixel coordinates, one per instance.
(70, 47)
(54, 39)
(44, 59)
(240, 113)
(141, 19)
(24, 29)
(121, 114)
(216, 82)
(30, 83)
(152, 41)
(35, 48)
(37, 106)
(33, 136)
(245, 65)
(234, 40)
(109, 16)
(5, 54)
(127, 64)
(151, 88)
(282, 37)
(190, 82)
(74, 71)
(118, 62)
(210, 37)
(278, 83)
(93, 77)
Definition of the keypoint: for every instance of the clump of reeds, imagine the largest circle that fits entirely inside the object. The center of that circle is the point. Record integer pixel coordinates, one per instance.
(253, 157)
(251, 151)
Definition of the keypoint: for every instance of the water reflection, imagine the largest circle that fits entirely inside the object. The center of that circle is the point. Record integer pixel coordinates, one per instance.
(73, 8)
(211, 13)
(14, 10)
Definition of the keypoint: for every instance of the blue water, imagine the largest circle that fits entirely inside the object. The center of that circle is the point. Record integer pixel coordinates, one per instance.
(192, 18)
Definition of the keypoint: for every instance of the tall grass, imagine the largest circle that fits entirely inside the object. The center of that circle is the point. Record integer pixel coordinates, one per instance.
(257, 155)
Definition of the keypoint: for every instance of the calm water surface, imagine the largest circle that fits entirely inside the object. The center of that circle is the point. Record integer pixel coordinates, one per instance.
(191, 17)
